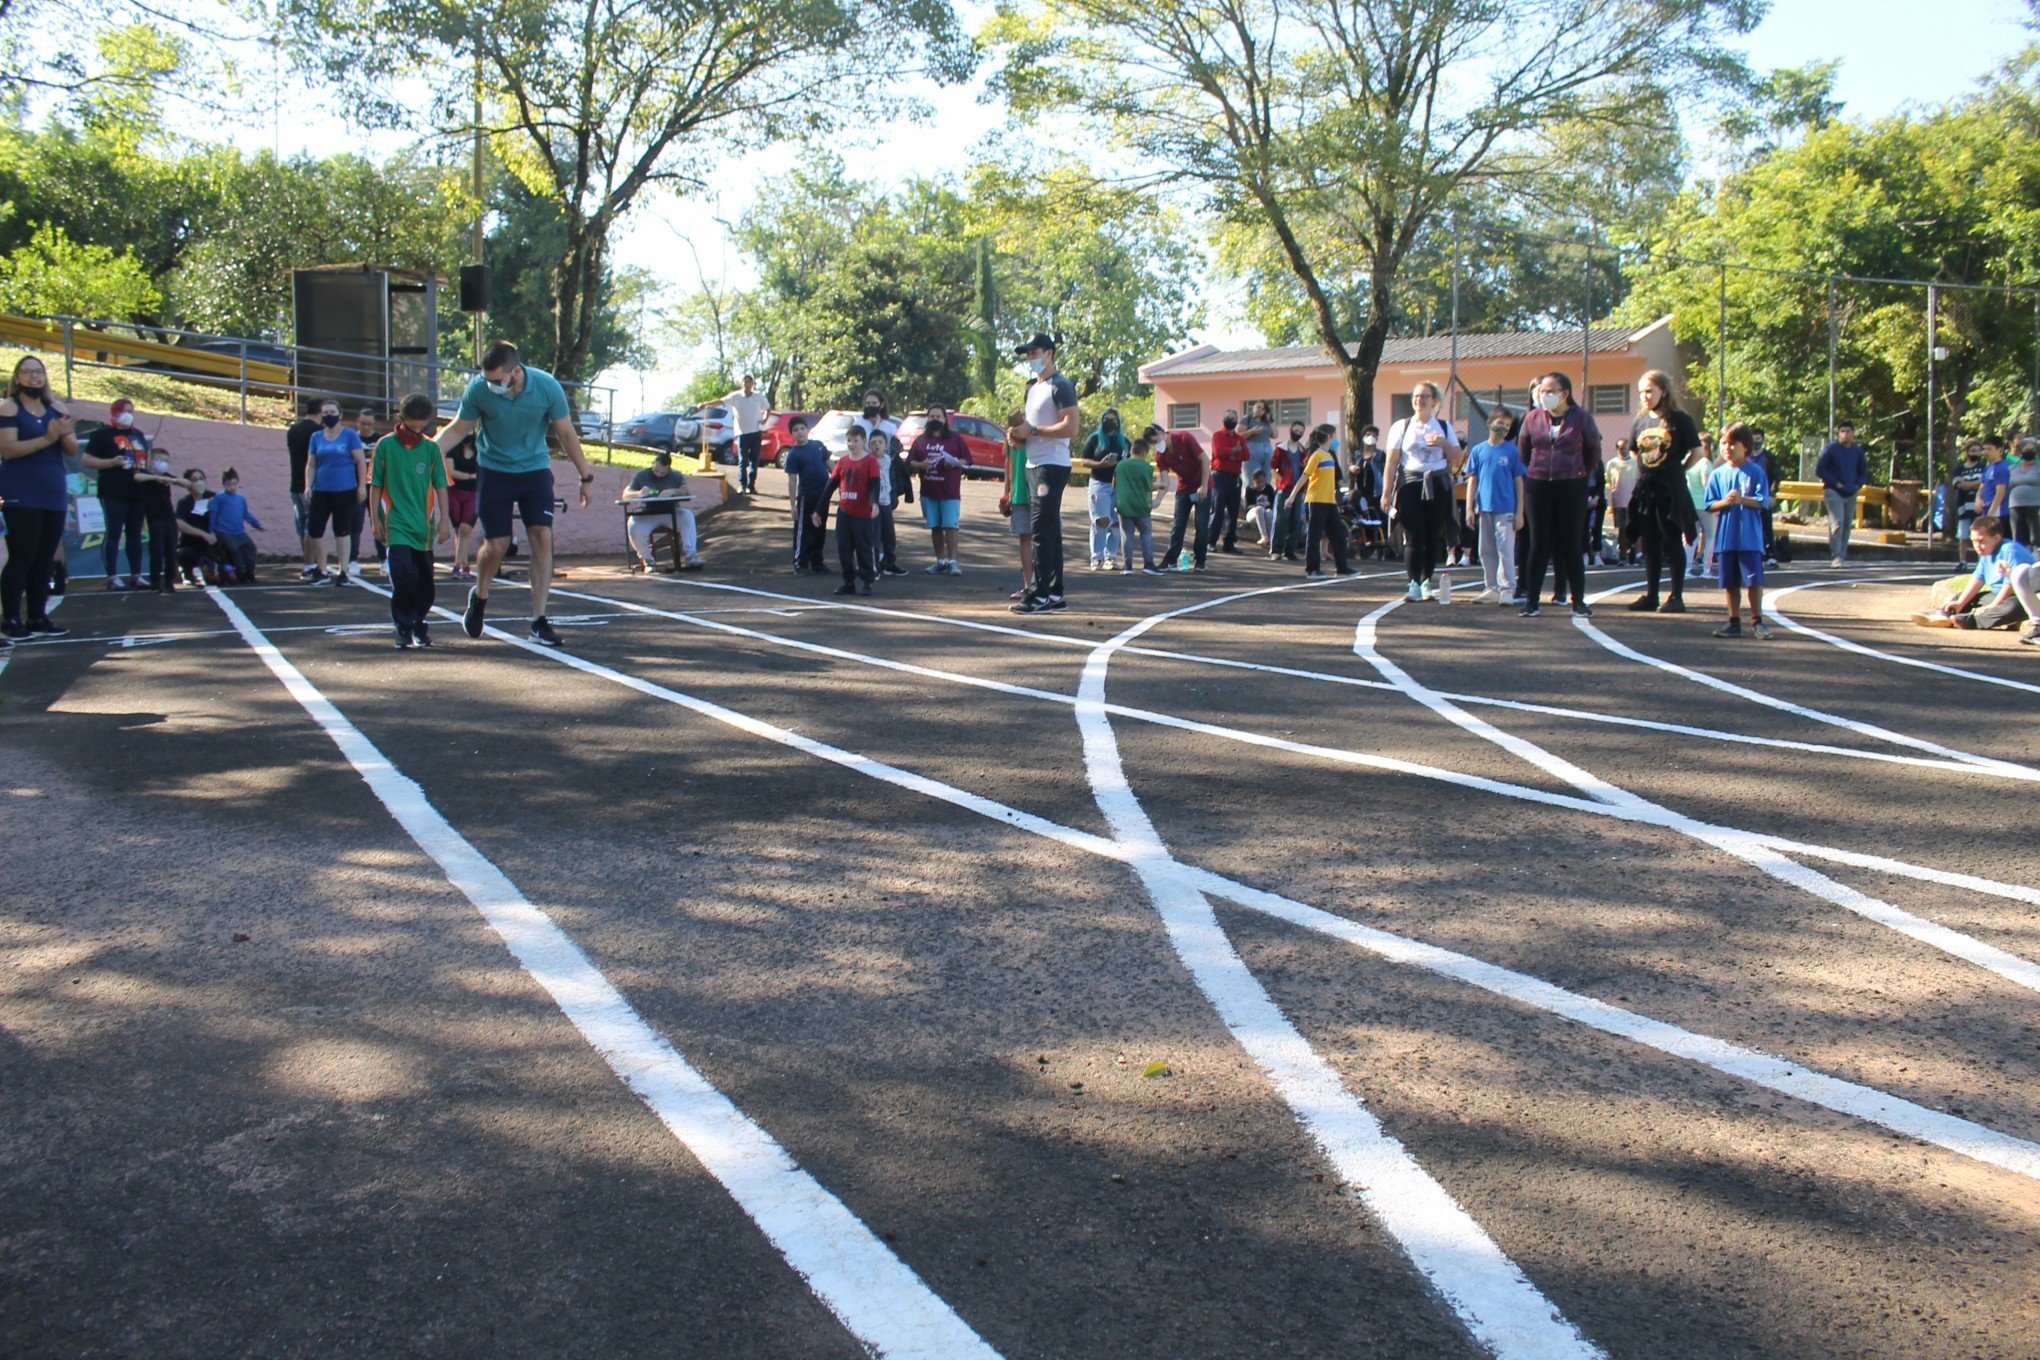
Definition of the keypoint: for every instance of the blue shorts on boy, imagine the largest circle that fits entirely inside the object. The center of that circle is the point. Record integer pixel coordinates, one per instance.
(1742, 568)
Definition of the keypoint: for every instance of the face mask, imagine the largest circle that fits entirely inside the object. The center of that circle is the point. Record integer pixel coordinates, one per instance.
(1111, 425)
(1499, 434)
(1368, 441)
(329, 421)
(936, 429)
(125, 419)
(1231, 421)
(1036, 366)
(34, 393)
(160, 466)
(872, 412)
(1552, 402)
(1296, 434)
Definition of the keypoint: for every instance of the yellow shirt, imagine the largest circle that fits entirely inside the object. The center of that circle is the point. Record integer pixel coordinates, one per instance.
(1321, 478)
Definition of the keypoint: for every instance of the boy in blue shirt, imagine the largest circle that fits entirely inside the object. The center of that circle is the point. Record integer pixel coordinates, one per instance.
(807, 487)
(1737, 493)
(1495, 473)
(230, 521)
(1997, 557)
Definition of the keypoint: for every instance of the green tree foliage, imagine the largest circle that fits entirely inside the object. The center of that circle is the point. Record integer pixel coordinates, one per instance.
(1343, 128)
(595, 102)
(52, 275)
(526, 235)
(1952, 196)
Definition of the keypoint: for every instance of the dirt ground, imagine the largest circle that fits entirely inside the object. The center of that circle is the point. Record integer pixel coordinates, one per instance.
(1083, 980)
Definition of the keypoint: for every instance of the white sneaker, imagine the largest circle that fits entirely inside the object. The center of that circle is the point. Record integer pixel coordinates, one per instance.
(1487, 597)
(116, 583)
(936, 569)
(1427, 590)
(956, 568)
(691, 560)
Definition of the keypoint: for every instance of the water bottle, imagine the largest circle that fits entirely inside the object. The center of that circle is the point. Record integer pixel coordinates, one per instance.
(1444, 594)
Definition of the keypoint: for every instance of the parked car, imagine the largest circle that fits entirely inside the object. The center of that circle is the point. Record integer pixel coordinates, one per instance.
(773, 440)
(591, 425)
(658, 430)
(986, 441)
(830, 430)
(716, 425)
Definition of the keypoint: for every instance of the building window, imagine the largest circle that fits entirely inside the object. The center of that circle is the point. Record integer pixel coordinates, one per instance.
(1292, 411)
(1612, 400)
(1185, 415)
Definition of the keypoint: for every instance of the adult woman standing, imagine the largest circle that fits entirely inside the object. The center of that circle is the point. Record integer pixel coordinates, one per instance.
(114, 453)
(1561, 449)
(1102, 452)
(1290, 514)
(1418, 488)
(2023, 497)
(1258, 429)
(339, 488)
(1661, 516)
(34, 438)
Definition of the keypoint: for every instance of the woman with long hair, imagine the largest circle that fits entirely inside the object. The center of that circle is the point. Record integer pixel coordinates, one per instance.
(1417, 488)
(1661, 516)
(1561, 448)
(35, 438)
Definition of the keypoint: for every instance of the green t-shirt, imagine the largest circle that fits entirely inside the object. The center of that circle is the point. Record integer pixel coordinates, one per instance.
(1133, 487)
(410, 486)
(1016, 476)
(510, 431)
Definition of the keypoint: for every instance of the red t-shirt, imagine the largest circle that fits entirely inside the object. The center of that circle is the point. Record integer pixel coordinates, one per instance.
(1228, 451)
(1285, 467)
(1184, 456)
(858, 478)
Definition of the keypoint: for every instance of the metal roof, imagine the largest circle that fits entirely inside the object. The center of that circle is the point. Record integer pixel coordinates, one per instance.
(1414, 350)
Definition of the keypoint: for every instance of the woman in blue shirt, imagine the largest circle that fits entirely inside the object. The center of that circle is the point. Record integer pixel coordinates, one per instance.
(35, 437)
(339, 488)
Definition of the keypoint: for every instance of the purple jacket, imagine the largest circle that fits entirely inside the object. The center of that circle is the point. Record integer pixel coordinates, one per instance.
(1551, 453)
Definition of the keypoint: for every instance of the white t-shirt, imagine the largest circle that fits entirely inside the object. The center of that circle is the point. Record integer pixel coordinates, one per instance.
(1047, 399)
(890, 428)
(749, 411)
(1419, 457)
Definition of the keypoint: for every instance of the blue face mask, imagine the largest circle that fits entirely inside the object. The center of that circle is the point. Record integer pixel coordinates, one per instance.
(1036, 365)
(501, 389)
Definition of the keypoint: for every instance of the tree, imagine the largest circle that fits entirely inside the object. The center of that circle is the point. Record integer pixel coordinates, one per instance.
(596, 102)
(53, 275)
(528, 233)
(1343, 128)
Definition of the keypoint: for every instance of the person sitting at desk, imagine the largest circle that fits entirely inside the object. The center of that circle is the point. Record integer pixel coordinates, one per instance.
(659, 483)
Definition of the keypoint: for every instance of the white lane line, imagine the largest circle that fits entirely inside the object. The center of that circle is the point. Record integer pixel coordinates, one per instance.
(1488, 1292)
(1741, 844)
(882, 1302)
(2000, 767)
(1771, 606)
(1647, 814)
(1357, 682)
(1894, 1113)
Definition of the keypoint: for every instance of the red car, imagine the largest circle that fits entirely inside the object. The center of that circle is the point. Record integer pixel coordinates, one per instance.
(773, 440)
(986, 441)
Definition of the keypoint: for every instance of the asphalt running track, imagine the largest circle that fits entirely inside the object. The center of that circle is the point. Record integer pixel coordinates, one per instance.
(771, 977)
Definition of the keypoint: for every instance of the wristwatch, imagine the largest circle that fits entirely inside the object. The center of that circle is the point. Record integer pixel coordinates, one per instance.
(587, 477)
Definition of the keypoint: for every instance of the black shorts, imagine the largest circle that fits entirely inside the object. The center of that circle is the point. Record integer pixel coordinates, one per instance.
(331, 507)
(528, 494)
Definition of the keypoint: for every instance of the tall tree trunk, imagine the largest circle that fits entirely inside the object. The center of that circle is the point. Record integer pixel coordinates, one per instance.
(577, 297)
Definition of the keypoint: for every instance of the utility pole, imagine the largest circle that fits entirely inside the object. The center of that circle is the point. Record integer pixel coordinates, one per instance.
(477, 244)
(1452, 380)
(1933, 359)
(1587, 329)
(1832, 323)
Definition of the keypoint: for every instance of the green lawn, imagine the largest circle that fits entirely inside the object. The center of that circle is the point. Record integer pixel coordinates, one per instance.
(158, 393)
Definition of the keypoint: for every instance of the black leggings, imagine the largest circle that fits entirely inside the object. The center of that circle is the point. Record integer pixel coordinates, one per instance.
(124, 516)
(33, 537)
(1325, 524)
(162, 543)
(1558, 521)
(1426, 523)
(2026, 524)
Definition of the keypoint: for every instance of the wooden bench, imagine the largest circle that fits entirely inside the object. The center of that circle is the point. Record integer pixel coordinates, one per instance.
(1813, 493)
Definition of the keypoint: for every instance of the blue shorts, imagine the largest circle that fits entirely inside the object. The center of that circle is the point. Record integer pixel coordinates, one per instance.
(1740, 569)
(529, 494)
(941, 514)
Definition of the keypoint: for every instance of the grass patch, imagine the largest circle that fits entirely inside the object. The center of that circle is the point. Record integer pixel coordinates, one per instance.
(155, 393)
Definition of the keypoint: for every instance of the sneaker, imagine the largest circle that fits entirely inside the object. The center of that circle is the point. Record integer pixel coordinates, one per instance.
(116, 583)
(1056, 602)
(403, 640)
(1837, 563)
(1643, 604)
(145, 583)
(1413, 592)
(864, 587)
(1733, 628)
(47, 627)
(1033, 604)
(1675, 605)
(471, 617)
(1529, 609)
(1934, 619)
(845, 589)
(14, 630)
(1152, 570)
(955, 569)
(692, 560)
(1759, 631)
(894, 570)
(1426, 590)
(542, 631)
(308, 572)
(421, 634)
(937, 568)
(340, 578)
(1581, 611)
(2031, 637)
(1487, 597)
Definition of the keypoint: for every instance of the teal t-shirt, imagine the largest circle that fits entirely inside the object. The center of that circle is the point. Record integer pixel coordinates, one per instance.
(510, 431)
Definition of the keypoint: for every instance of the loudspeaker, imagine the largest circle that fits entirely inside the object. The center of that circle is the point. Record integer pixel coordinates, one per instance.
(474, 288)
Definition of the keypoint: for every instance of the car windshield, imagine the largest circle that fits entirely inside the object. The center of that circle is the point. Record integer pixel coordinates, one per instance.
(830, 429)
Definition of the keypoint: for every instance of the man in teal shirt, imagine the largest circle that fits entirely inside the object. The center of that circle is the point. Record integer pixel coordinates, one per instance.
(511, 409)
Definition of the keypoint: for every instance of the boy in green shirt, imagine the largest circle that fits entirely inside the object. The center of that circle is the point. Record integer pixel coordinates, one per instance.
(1015, 507)
(407, 501)
(1133, 496)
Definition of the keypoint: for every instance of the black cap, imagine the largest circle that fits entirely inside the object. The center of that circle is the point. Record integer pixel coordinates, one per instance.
(1039, 340)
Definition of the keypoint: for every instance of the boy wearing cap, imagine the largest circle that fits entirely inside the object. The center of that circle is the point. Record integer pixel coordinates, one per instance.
(1048, 423)
(660, 479)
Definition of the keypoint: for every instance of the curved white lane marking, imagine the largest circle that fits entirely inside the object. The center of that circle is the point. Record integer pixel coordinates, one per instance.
(869, 1289)
(1357, 682)
(1487, 1291)
(1741, 844)
(1649, 814)
(1962, 1136)
(1995, 766)
(1918, 663)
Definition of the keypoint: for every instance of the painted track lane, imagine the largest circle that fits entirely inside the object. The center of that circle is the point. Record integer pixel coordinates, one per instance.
(1859, 649)
(881, 1301)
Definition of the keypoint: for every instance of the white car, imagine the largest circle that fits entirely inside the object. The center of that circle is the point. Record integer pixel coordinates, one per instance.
(591, 426)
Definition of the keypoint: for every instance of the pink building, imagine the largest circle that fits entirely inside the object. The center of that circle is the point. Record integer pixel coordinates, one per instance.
(1194, 389)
